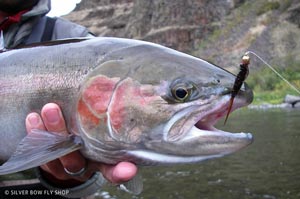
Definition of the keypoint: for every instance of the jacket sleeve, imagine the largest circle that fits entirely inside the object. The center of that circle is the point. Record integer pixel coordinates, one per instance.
(65, 29)
(88, 188)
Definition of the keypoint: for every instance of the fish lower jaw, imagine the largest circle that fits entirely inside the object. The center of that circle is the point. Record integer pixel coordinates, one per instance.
(148, 158)
(214, 142)
(217, 135)
(205, 132)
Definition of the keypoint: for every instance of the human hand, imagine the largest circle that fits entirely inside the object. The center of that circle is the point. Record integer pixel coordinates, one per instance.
(51, 119)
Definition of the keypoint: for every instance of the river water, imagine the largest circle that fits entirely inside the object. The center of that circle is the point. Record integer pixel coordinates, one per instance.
(267, 169)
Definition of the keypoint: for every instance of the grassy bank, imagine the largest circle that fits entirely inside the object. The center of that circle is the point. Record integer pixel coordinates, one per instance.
(269, 88)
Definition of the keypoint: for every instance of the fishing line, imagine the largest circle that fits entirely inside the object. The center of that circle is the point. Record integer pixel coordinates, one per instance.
(273, 69)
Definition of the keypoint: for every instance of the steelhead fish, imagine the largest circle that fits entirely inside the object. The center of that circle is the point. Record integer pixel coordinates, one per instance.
(122, 99)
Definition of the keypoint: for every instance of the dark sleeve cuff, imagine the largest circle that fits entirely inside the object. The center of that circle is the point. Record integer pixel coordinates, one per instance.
(89, 187)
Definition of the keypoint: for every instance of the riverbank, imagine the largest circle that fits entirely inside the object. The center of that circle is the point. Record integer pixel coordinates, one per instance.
(268, 88)
(289, 101)
(269, 106)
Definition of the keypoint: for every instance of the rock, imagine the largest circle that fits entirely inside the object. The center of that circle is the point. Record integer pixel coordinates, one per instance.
(293, 14)
(218, 31)
(181, 25)
(292, 99)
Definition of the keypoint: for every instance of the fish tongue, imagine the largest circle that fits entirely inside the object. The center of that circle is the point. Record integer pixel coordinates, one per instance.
(40, 147)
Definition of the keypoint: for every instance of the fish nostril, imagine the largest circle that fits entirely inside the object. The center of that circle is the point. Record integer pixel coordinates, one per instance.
(216, 81)
(226, 91)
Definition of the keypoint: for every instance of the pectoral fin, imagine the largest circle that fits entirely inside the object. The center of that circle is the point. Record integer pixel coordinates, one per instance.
(40, 147)
(134, 186)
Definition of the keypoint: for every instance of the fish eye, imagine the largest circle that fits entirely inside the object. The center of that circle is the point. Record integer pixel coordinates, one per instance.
(181, 90)
(180, 93)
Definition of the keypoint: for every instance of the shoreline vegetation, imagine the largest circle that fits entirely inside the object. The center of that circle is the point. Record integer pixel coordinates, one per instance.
(268, 88)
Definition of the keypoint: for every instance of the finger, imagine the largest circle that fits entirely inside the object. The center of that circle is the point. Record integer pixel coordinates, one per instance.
(61, 179)
(34, 121)
(74, 162)
(122, 172)
(54, 122)
(56, 167)
(53, 118)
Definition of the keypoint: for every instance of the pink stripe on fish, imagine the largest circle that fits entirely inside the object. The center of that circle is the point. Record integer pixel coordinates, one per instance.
(92, 105)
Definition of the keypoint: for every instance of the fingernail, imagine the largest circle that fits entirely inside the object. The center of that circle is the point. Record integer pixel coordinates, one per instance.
(124, 171)
(52, 116)
(34, 120)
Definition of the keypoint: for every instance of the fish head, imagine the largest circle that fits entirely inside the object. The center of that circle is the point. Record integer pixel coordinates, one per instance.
(153, 105)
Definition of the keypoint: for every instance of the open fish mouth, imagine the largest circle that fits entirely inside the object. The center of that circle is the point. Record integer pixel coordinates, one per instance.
(207, 140)
(207, 122)
(201, 142)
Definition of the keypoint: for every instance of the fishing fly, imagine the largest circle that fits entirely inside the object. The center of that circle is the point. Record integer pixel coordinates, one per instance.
(239, 80)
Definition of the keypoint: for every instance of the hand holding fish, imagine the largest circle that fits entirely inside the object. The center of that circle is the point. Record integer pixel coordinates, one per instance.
(51, 119)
